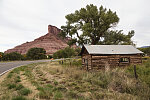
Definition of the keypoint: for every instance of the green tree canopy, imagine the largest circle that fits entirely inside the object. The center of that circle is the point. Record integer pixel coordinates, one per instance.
(91, 25)
(66, 53)
(117, 37)
(36, 53)
(12, 56)
(145, 50)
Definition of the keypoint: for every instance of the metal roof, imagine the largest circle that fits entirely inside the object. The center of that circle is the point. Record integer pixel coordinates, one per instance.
(111, 49)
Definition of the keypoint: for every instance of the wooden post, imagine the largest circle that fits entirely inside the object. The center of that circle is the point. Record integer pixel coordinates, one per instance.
(135, 74)
(62, 61)
(70, 63)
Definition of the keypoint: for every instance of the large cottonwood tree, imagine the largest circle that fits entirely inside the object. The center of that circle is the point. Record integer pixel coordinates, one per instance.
(89, 25)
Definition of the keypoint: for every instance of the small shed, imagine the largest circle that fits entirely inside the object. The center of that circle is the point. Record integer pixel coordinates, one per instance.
(99, 56)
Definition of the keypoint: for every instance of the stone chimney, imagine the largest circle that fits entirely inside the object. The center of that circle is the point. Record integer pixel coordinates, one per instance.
(53, 29)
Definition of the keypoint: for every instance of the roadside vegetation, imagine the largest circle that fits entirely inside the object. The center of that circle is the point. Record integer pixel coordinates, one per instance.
(68, 81)
(32, 54)
(68, 52)
(146, 50)
(36, 53)
(40, 53)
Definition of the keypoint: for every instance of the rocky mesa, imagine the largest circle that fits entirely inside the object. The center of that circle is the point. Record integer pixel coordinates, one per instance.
(50, 42)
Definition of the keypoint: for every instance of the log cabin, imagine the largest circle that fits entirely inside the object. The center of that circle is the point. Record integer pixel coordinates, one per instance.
(100, 56)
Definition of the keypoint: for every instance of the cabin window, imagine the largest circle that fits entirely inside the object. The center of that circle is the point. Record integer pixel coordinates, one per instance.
(125, 60)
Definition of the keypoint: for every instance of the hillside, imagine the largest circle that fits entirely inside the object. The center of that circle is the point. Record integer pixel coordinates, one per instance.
(50, 42)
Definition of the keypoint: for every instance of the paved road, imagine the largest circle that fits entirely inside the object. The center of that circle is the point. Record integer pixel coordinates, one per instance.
(4, 67)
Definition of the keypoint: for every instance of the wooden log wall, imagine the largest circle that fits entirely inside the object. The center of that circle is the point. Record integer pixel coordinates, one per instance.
(86, 58)
(100, 61)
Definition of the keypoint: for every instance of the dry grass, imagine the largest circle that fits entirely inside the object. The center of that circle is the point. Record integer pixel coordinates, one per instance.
(52, 81)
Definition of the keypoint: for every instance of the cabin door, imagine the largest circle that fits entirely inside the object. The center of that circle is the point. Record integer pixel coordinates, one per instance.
(86, 63)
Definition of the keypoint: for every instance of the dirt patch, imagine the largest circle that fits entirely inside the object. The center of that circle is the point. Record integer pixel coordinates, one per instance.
(26, 83)
(3, 77)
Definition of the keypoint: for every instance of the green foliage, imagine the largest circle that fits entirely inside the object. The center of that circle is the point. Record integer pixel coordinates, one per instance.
(145, 50)
(72, 41)
(50, 56)
(19, 87)
(95, 24)
(12, 56)
(117, 37)
(25, 91)
(1, 56)
(66, 53)
(17, 79)
(58, 95)
(143, 72)
(45, 92)
(19, 98)
(36, 53)
(11, 86)
(9, 75)
(77, 51)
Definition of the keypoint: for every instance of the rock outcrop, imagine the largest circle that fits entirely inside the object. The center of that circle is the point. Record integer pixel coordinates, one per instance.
(50, 42)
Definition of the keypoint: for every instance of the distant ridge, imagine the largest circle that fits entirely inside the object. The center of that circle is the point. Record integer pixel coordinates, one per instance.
(50, 42)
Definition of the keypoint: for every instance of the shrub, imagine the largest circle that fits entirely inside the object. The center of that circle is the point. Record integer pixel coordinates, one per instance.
(9, 75)
(58, 95)
(12, 56)
(19, 87)
(36, 53)
(25, 91)
(19, 98)
(50, 56)
(66, 53)
(145, 50)
(1, 56)
(45, 92)
(11, 86)
(143, 72)
(17, 79)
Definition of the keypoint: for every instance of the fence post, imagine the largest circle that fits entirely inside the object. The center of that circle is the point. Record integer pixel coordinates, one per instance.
(70, 62)
(62, 61)
(135, 74)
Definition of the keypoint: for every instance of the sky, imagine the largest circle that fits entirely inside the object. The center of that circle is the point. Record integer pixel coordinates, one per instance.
(26, 20)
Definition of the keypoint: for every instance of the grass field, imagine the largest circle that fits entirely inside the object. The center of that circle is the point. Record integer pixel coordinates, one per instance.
(53, 81)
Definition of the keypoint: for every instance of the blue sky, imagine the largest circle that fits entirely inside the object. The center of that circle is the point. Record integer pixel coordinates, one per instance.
(25, 20)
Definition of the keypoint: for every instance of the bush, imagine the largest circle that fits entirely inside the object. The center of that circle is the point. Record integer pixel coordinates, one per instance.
(145, 50)
(25, 91)
(11, 86)
(143, 72)
(58, 95)
(12, 56)
(36, 53)
(19, 87)
(19, 98)
(66, 53)
(49, 56)
(1, 55)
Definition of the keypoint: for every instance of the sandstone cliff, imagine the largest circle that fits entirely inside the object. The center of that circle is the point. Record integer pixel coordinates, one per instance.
(50, 42)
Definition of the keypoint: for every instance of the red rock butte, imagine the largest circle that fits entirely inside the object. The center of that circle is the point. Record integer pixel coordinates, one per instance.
(50, 42)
